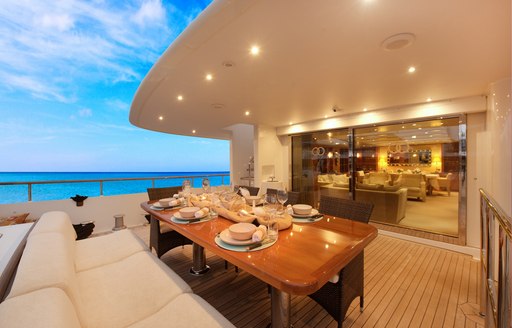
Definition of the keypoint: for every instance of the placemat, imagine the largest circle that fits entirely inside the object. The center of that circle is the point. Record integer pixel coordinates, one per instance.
(205, 219)
(235, 248)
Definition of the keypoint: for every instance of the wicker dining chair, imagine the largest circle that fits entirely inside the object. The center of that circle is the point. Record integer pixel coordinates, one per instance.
(336, 298)
(162, 238)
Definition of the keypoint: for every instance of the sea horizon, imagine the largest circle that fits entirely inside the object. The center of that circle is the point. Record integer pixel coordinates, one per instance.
(54, 191)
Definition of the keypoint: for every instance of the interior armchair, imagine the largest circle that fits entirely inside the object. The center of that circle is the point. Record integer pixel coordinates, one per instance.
(416, 185)
(162, 238)
(445, 182)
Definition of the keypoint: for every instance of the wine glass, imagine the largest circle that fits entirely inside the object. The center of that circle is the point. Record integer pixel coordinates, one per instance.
(282, 197)
(269, 206)
(206, 185)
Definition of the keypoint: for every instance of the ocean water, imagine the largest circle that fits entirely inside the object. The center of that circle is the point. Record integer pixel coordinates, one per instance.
(53, 191)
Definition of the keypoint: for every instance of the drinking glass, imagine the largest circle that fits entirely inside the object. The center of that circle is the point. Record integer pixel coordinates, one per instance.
(282, 197)
(185, 187)
(206, 185)
(269, 205)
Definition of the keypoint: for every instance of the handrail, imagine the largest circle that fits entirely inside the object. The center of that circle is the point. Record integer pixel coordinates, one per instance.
(101, 181)
(496, 287)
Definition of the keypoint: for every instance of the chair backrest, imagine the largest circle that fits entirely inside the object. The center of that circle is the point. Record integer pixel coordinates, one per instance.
(252, 190)
(293, 198)
(412, 179)
(165, 192)
(346, 208)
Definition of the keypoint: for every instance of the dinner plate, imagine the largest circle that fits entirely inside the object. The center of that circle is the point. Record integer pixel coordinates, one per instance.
(158, 205)
(225, 236)
(313, 213)
(178, 216)
(178, 221)
(242, 248)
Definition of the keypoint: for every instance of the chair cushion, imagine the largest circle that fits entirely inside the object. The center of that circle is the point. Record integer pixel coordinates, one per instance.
(165, 227)
(181, 309)
(109, 248)
(122, 293)
(43, 308)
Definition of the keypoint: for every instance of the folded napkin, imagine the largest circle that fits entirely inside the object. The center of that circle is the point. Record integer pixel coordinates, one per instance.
(232, 215)
(284, 221)
(259, 234)
(176, 196)
(202, 212)
(245, 193)
(201, 203)
(174, 202)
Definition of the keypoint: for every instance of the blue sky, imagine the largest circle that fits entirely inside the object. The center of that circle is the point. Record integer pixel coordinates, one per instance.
(68, 73)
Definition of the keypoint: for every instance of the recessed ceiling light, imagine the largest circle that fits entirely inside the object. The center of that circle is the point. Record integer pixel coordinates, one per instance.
(365, 109)
(429, 99)
(247, 113)
(209, 77)
(255, 50)
(290, 123)
(180, 97)
(419, 128)
(414, 124)
(411, 69)
(194, 131)
(326, 116)
(414, 137)
(160, 118)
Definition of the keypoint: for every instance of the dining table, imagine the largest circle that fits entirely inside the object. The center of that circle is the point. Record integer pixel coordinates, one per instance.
(305, 256)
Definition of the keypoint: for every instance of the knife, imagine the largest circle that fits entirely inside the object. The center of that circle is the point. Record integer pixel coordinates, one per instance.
(194, 220)
(258, 244)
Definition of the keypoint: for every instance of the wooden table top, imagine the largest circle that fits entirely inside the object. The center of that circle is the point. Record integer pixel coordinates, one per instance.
(302, 260)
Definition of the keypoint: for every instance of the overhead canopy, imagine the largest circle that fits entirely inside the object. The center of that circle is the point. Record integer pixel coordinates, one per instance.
(316, 56)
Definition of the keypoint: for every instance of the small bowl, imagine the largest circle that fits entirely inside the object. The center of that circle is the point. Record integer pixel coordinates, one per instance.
(188, 212)
(165, 201)
(242, 231)
(302, 209)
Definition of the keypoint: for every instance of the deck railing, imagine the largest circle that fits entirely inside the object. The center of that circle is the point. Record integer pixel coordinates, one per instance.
(496, 261)
(101, 182)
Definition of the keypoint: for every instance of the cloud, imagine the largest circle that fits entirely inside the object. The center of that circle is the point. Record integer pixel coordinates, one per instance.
(150, 12)
(85, 112)
(60, 22)
(118, 105)
(45, 43)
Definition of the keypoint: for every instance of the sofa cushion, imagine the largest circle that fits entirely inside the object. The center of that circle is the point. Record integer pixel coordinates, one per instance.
(340, 181)
(43, 308)
(370, 186)
(394, 187)
(109, 248)
(47, 261)
(181, 310)
(324, 178)
(55, 221)
(124, 292)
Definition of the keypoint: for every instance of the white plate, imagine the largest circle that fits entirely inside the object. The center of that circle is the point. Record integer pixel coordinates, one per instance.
(178, 216)
(158, 205)
(225, 236)
(313, 212)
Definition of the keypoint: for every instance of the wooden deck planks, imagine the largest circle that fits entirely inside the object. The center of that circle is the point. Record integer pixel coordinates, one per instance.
(406, 285)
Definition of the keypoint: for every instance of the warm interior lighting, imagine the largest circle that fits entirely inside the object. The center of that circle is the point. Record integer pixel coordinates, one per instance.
(358, 155)
(180, 97)
(209, 77)
(194, 131)
(160, 118)
(255, 50)
(429, 99)
(365, 109)
(247, 113)
(411, 69)
(290, 123)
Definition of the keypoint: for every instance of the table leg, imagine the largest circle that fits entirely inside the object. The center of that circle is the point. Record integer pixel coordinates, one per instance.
(280, 308)
(199, 266)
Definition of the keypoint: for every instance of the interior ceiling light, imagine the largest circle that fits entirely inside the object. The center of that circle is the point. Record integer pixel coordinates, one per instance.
(247, 113)
(429, 99)
(180, 97)
(411, 69)
(365, 109)
(398, 41)
(160, 118)
(209, 77)
(194, 131)
(255, 50)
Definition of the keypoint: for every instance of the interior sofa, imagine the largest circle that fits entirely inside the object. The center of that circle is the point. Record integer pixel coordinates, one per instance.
(415, 184)
(334, 185)
(107, 281)
(389, 202)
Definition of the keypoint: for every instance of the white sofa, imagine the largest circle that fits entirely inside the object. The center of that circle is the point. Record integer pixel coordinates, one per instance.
(107, 281)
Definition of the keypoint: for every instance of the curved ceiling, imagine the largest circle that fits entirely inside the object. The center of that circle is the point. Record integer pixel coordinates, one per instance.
(319, 55)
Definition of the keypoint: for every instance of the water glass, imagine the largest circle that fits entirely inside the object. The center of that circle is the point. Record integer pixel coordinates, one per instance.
(206, 185)
(185, 187)
(272, 228)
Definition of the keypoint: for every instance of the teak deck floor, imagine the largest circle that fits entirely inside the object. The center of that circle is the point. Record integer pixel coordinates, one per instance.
(406, 285)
